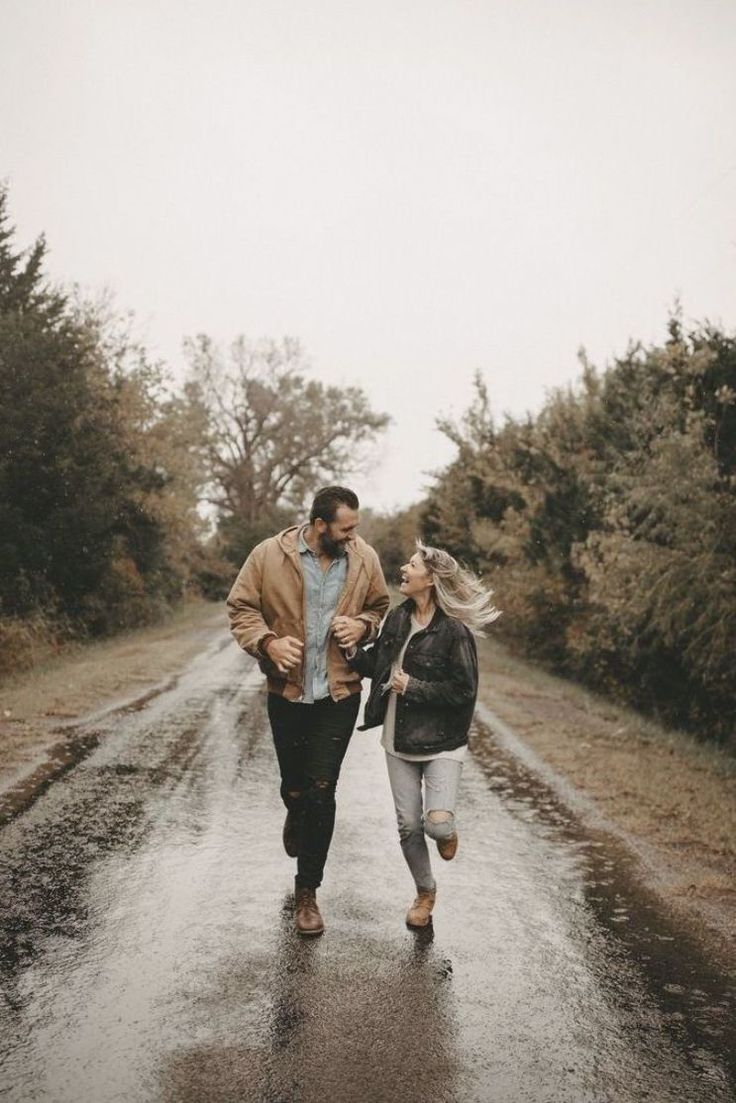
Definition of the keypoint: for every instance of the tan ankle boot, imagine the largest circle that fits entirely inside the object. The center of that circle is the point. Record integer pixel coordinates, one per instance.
(420, 913)
(306, 913)
(448, 847)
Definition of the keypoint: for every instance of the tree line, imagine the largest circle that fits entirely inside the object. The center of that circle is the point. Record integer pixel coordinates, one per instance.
(606, 522)
(607, 525)
(120, 493)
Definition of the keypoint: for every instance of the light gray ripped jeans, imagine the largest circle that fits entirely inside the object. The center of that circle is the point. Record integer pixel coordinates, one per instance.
(441, 777)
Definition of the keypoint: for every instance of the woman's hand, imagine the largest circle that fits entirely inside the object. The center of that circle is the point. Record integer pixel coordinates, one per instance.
(399, 681)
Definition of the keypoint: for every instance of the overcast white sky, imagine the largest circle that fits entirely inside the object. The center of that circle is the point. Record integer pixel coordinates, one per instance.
(415, 188)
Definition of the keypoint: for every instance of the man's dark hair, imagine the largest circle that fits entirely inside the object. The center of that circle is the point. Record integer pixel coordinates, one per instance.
(327, 500)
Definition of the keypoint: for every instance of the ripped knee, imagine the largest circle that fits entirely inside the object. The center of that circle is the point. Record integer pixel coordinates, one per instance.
(439, 816)
(321, 792)
(291, 796)
(439, 824)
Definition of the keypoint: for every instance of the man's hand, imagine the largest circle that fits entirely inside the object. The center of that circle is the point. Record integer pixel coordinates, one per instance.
(349, 631)
(285, 652)
(399, 682)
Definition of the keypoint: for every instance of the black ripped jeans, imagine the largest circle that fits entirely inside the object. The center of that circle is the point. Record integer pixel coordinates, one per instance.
(310, 742)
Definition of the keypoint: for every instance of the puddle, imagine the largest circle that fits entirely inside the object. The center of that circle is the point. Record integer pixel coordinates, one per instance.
(697, 1002)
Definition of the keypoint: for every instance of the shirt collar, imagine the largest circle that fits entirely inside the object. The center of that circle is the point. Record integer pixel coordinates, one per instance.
(304, 549)
(302, 545)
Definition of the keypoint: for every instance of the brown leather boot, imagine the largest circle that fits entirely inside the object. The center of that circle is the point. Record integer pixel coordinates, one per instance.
(306, 913)
(420, 913)
(448, 847)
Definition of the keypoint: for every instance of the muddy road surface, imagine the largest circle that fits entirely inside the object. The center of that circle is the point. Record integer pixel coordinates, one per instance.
(148, 953)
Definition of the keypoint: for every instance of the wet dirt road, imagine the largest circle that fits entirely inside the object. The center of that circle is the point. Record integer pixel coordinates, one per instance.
(147, 952)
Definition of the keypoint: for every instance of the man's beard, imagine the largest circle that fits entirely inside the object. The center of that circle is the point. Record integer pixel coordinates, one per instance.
(334, 548)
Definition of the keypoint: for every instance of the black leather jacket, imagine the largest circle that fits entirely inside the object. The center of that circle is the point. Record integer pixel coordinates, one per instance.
(435, 711)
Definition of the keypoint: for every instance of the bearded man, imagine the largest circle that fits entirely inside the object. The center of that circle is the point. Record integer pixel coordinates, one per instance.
(299, 599)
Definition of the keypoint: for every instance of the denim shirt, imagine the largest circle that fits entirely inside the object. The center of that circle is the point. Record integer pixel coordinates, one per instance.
(322, 590)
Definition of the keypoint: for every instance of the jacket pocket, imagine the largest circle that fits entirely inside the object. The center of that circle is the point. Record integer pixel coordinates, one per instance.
(429, 668)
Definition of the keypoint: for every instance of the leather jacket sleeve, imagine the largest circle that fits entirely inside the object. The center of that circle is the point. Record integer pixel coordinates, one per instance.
(244, 607)
(367, 656)
(364, 660)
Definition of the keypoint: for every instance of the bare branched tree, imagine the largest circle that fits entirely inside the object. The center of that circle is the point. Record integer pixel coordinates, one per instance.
(274, 434)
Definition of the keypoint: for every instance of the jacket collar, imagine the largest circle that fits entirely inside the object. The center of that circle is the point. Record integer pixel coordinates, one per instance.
(288, 541)
(437, 617)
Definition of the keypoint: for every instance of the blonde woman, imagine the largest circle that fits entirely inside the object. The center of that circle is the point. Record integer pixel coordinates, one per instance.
(424, 671)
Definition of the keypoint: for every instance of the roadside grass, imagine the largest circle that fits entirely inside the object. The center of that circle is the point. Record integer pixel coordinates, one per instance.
(495, 659)
(27, 641)
(88, 675)
(665, 787)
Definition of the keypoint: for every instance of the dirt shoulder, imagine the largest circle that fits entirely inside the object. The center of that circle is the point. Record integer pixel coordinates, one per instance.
(36, 706)
(672, 796)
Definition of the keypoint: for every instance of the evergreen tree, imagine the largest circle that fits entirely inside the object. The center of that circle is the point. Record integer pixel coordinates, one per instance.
(609, 524)
(87, 478)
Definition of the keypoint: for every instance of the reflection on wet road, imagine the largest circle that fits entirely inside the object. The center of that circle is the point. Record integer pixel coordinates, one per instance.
(147, 950)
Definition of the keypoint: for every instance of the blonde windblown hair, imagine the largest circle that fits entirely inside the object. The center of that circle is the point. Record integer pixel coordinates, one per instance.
(457, 591)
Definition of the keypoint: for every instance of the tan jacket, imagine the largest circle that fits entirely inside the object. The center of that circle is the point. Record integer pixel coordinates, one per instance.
(267, 600)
